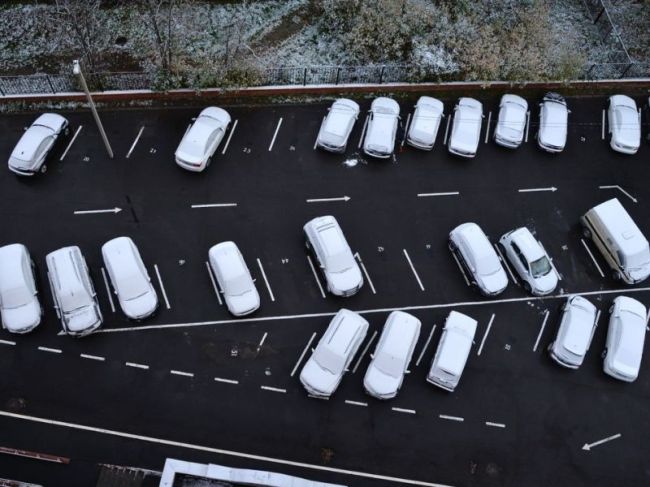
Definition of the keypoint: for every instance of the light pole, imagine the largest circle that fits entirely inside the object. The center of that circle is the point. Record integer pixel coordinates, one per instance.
(76, 69)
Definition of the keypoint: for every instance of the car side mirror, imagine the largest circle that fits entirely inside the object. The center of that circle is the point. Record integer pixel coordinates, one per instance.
(193, 119)
(372, 356)
(25, 129)
(407, 371)
(313, 350)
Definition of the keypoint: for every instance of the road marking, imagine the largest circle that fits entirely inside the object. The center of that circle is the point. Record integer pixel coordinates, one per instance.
(94, 212)
(527, 125)
(214, 283)
(273, 389)
(313, 270)
(426, 345)
(356, 403)
(319, 129)
(448, 193)
(593, 259)
(444, 142)
(302, 355)
(451, 418)
(108, 290)
(365, 272)
(327, 200)
(487, 127)
(232, 131)
(363, 132)
(505, 263)
(485, 335)
(462, 271)
(275, 134)
(259, 347)
(266, 281)
(552, 189)
(162, 287)
(215, 205)
(363, 353)
(7, 342)
(589, 446)
(541, 330)
(226, 381)
(408, 259)
(51, 350)
(136, 365)
(496, 425)
(321, 398)
(405, 411)
(406, 128)
(128, 154)
(602, 126)
(181, 373)
(92, 357)
(621, 190)
(74, 137)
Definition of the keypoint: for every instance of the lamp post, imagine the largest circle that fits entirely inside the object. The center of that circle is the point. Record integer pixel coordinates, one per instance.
(76, 69)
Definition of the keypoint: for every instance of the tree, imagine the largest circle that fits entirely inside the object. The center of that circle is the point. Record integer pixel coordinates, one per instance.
(159, 15)
(81, 18)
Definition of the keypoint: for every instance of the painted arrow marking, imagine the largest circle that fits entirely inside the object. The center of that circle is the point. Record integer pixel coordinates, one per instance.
(621, 190)
(92, 212)
(326, 200)
(537, 190)
(589, 446)
(215, 205)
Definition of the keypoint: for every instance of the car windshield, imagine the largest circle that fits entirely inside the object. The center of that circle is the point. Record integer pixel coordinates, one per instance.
(132, 287)
(15, 297)
(329, 360)
(338, 263)
(238, 285)
(72, 302)
(389, 364)
(540, 267)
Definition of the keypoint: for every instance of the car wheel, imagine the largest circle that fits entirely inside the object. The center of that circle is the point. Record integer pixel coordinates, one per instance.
(616, 275)
(307, 245)
(207, 163)
(527, 288)
(452, 246)
(586, 233)
(604, 354)
(43, 169)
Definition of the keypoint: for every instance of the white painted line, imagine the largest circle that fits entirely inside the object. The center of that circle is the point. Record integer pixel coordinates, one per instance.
(266, 281)
(444, 142)
(602, 126)
(589, 446)
(460, 267)
(451, 418)
(181, 373)
(598, 318)
(135, 142)
(551, 189)
(496, 425)
(328, 200)
(621, 190)
(405, 411)
(7, 342)
(485, 335)
(275, 134)
(448, 193)
(232, 131)
(115, 211)
(593, 259)
(74, 137)
(356, 403)
(363, 132)
(214, 205)
(273, 389)
(302, 355)
(259, 347)
(92, 357)
(487, 127)
(162, 287)
(363, 353)
(136, 365)
(527, 125)
(426, 345)
(313, 270)
(214, 283)
(51, 350)
(541, 330)
(318, 397)
(365, 272)
(108, 290)
(505, 263)
(406, 128)
(226, 381)
(408, 259)
(218, 451)
(319, 129)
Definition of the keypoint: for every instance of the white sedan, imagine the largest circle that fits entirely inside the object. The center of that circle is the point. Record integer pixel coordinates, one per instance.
(575, 333)
(202, 138)
(553, 123)
(624, 124)
(19, 306)
(382, 128)
(425, 123)
(625, 339)
(337, 126)
(466, 128)
(28, 157)
(513, 111)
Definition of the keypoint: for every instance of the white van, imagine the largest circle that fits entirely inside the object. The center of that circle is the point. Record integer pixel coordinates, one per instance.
(75, 300)
(453, 350)
(622, 244)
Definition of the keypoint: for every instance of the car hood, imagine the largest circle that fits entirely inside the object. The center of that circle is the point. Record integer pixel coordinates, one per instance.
(344, 281)
(628, 136)
(626, 369)
(641, 273)
(554, 130)
(318, 379)
(243, 304)
(140, 307)
(380, 384)
(23, 318)
(546, 284)
(494, 283)
(83, 320)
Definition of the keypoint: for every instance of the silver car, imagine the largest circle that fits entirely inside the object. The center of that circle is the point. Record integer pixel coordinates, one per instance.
(337, 126)
(202, 138)
(575, 333)
(19, 306)
(28, 157)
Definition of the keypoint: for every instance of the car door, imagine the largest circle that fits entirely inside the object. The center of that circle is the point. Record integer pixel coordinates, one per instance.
(610, 117)
(518, 260)
(466, 259)
(43, 148)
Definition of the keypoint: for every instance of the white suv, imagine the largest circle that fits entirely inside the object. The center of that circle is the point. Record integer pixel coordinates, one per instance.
(336, 128)
(19, 306)
(575, 333)
(382, 128)
(625, 339)
(553, 123)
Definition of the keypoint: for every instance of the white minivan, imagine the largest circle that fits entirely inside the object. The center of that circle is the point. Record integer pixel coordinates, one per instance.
(619, 240)
(453, 350)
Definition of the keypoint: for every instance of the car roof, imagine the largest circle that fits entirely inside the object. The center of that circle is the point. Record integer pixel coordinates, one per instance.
(11, 265)
(400, 329)
(330, 234)
(528, 244)
(120, 250)
(624, 231)
(385, 105)
(229, 259)
(342, 330)
(576, 338)
(457, 342)
(28, 144)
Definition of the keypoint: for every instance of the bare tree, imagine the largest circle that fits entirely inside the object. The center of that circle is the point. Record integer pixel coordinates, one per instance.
(160, 15)
(81, 18)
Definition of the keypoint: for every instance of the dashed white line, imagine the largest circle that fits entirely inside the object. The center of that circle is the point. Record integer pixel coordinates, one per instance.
(92, 357)
(275, 134)
(444, 142)
(485, 335)
(405, 411)
(363, 132)
(541, 330)
(181, 373)
(135, 142)
(426, 345)
(108, 290)
(266, 281)
(162, 287)
(214, 205)
(74, 137)
(602, 126)
(273, 389)
(527, 125)
(51, 350)
(214, 283)
(232, 131)
(593, 259)
(365, 272)
(451, 418)
(226, 381)
(319, 129)
(259, 347)
(363, 353)
(7, 342)
(487, 127)
(356, 403)
(460, 267)
(302, 355)
(313, 270)
(447, 193)
(408, 259)
(406, 128)
(136, 365)
(496, 425)
(505, 263)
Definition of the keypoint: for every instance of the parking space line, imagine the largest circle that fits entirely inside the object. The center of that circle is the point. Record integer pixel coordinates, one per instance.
(426, 345)
(7, 342)
(136, 365)
(273, 389)
(527, 125)
(214, 283)
(406, 128)
(593, 259)
(363, 353)
(74, 137)
(408, 259)
(403, 410)
(181, 373)
(313, 270)
(444, 142)
(162, 287)
(232, 131)
(363, 132)
(214, 205)
(541, 330)
(621, 190)
(137, 138)
(487, 127)
(259, 347)
(505, 263)
(485, 335)
(226, 381)
(462, 271)
(602, 126)
(108, 290)
(92, 357)
(448, 193)
(365, 271)
(321, 398)
(302, 355)
(496, 425)
(356, 403)
(451, 418)
(266, 281)
(50, 350)
(319, 129)
(275, 134)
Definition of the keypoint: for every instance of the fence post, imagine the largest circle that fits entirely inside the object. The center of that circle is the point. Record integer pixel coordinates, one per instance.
(50, 83)
(381, 74)
(338, 74)
(304, 77)
(2, 92)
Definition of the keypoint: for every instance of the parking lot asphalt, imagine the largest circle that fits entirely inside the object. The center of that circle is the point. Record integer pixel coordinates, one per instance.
(226, 388)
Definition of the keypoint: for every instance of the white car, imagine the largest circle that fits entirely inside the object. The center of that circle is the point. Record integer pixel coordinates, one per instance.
(474, 252)
(336, 128)
(466, 128)
(322, 373)
(382, 128)
(392, 355)
(553, 123)
(234, 278)
(19, 306)
(28, 157)
(624, 124)
(530, 260)
(511, 123)
(425, 123)
(575, 333)
(453, 351)
(625, 339)
(323, 236)
(202, 138)
(75, 300)
(130, 279)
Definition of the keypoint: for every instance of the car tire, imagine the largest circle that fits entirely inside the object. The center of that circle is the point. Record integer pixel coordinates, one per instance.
(604, 354)
(586, 232)
(307, 244)
(616, 275)
(43, 169)
(527, 287)
(452, 246)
